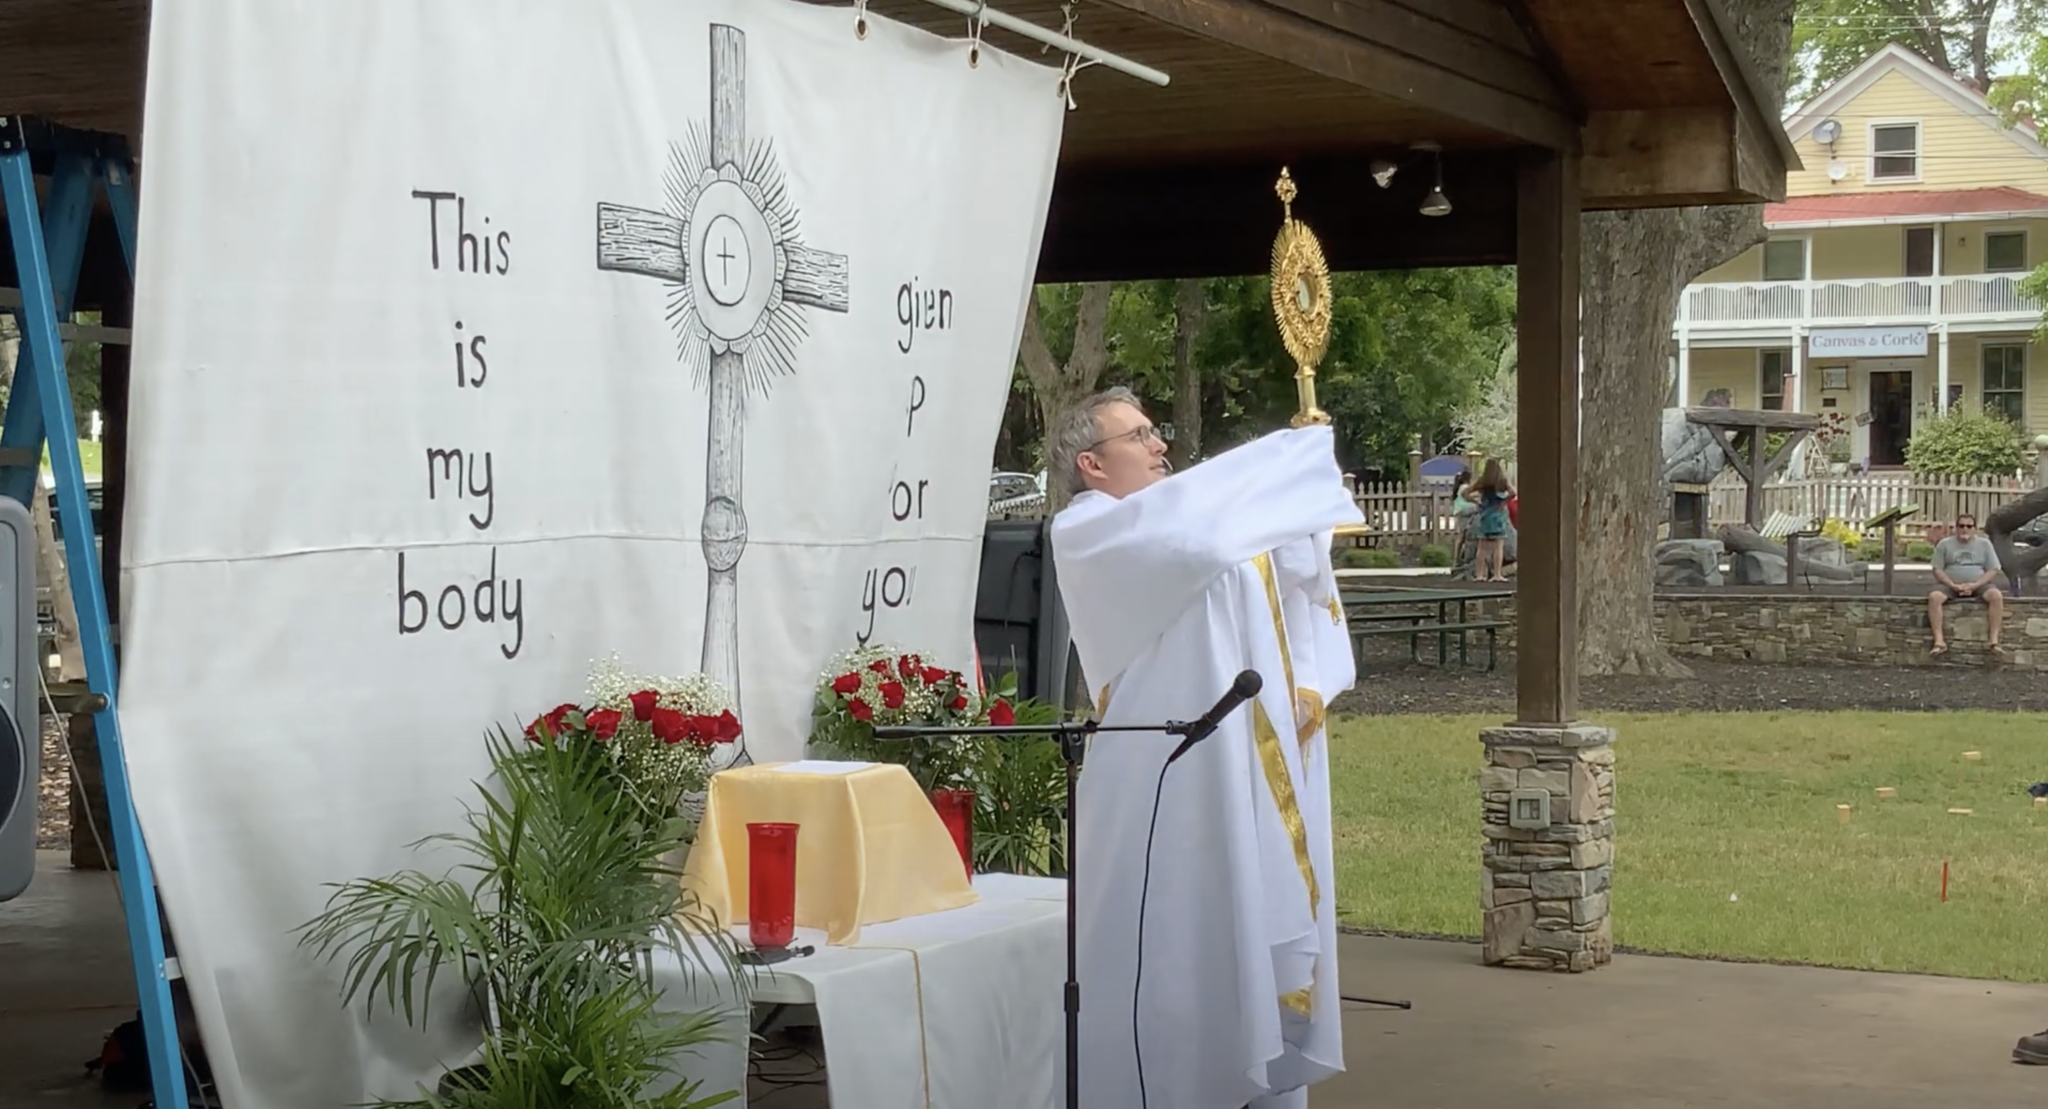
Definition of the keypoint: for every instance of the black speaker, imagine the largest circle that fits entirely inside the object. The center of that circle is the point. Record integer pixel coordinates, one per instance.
(21, 740)
(1020, 623)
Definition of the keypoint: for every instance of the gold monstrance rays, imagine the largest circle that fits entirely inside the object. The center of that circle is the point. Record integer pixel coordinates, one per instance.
(1301, 300)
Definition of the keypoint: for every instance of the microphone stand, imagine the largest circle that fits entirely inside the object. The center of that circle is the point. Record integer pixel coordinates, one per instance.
(1073, 736)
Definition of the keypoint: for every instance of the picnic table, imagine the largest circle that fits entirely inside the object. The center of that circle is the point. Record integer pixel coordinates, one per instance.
(1387, 610)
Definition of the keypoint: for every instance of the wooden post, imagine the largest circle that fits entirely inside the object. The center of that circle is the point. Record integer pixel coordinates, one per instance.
(1547, 429)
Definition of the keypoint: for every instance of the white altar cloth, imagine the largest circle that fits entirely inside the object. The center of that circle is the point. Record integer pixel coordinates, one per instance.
(952, 1010)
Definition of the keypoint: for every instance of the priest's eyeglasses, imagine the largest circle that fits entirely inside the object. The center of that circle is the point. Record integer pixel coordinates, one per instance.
(1143, 436)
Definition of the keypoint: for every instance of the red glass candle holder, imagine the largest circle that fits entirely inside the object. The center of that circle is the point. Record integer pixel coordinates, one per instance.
(956, 809)
(771, 885)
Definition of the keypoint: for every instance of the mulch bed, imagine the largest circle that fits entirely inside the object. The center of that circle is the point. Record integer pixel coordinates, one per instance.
(1389, 684)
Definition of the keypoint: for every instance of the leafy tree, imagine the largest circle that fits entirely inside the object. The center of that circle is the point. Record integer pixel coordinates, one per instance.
(1487, 425)
(1964, 443)
(1963, 37)
(1408, 350)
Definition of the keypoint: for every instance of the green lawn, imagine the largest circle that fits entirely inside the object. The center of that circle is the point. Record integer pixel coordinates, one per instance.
(88, 458)
(1743, 804)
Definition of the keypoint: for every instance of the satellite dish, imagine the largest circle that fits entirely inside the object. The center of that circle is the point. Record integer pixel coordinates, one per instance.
(1827, 131)
(1837, 169)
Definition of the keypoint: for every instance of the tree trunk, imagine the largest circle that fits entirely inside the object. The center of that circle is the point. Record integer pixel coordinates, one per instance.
(1633, 266)
(50, 569)
(1057, 387)
(1190, 307)
(52, 573)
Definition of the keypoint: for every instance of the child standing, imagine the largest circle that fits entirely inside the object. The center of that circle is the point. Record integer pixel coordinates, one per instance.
(1491, 493)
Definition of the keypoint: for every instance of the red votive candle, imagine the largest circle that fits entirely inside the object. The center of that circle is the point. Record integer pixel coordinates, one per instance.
(771, 884)
(956, 809)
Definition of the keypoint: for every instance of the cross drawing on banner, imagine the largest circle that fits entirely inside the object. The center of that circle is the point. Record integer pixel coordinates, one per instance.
(738, 281)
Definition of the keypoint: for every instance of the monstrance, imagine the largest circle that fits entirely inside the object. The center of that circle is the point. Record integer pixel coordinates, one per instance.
(1301, 306)
(1301, 300)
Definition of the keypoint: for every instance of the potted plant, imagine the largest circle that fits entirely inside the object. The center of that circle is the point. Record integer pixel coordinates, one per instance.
(567, 894)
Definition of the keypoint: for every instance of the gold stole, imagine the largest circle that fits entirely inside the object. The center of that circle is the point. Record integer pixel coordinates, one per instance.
(1274, 760)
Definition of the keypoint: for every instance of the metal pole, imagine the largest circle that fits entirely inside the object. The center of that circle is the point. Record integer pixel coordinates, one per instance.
(1054, 39)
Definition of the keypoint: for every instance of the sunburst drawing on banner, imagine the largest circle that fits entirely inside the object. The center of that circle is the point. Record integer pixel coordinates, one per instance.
(722, 306)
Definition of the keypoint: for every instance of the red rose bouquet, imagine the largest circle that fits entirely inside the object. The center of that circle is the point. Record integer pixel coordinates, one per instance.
(882, 685)
(656, 734)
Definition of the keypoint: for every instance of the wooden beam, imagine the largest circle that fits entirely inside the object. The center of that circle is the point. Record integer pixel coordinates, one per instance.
(1770, 419)
(1758, 132)
(1731, 445)
(1435, 42)
(1547, 432)
(1317, 46)
(1645, 158)
(1218, 220)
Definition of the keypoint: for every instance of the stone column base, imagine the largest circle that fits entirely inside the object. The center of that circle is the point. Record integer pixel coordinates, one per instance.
(1544, 890)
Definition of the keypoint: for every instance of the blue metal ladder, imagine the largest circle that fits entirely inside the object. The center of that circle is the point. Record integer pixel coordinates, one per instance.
(49, 250)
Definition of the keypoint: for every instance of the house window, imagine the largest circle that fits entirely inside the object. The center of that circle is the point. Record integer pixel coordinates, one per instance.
(1785, 260)
(1895, 152)
(2005, 375)
(1773, 379)
(2005, 251)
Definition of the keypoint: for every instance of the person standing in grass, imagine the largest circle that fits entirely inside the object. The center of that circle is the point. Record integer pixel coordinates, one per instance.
(1490, 527)
(1965, 565)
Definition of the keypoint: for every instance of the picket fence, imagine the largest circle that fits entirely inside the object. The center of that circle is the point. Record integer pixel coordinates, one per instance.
(1855, 498)
(1403, 512)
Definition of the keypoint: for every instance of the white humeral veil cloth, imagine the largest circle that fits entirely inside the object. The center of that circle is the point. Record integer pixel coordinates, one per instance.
(1172, 592)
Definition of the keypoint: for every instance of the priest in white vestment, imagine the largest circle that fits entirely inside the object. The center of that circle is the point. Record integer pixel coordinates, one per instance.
(1175, 583)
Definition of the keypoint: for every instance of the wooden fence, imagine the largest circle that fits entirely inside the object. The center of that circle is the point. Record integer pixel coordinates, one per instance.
(1409, 514)
(1855, 498)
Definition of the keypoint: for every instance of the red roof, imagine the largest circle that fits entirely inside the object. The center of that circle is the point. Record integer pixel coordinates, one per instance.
(1893, 205)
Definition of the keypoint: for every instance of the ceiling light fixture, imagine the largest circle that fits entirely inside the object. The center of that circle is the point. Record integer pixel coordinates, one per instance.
(1435, 203)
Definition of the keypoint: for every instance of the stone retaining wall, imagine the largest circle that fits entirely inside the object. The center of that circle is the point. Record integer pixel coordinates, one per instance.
(1828, 628)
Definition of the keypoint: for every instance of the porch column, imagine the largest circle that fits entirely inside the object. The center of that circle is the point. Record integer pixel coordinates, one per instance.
(1794, 401)
(1941, 368)
(1547, 788)
(1685, 369)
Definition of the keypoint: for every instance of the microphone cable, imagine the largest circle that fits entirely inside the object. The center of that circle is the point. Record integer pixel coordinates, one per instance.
(1144, 889)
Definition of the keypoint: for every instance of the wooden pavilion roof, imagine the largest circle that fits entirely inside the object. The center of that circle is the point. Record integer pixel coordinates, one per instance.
(1177, 181)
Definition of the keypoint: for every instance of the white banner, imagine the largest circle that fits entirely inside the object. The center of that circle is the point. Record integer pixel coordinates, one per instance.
(1866, 342)
(478, 340)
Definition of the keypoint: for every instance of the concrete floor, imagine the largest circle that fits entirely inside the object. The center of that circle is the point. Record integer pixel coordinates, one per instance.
(1644, 1033)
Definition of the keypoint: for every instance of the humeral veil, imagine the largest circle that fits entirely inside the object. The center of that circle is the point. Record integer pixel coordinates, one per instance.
(1171, 592)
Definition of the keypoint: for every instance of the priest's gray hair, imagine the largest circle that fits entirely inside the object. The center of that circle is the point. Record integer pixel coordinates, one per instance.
(1078, 430)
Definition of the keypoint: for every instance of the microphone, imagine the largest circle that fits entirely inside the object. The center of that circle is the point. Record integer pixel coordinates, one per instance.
(1246, 687)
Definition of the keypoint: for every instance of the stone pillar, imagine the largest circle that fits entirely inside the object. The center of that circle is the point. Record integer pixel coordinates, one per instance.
(1544, 891)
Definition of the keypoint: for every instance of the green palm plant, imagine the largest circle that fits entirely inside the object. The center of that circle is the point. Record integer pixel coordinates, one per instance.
(569, 896)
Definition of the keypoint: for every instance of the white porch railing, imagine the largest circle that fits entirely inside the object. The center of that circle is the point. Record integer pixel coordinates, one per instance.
(1986, 298)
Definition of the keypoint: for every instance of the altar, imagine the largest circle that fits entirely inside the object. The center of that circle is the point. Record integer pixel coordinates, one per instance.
(958, 1009)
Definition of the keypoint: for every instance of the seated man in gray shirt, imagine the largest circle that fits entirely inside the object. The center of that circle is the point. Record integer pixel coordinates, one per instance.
(1965, 565)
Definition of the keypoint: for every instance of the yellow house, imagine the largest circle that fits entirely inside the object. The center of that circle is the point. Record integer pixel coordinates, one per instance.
(1888, 283)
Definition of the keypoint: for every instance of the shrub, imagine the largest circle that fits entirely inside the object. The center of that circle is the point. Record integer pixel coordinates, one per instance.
(1848, 535)
(1964, 443)
(1917, 551)
(1368, 558)
(1434, 555)
(1870, 550)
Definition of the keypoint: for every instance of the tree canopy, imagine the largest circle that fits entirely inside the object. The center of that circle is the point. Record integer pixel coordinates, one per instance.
(1409, 351)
